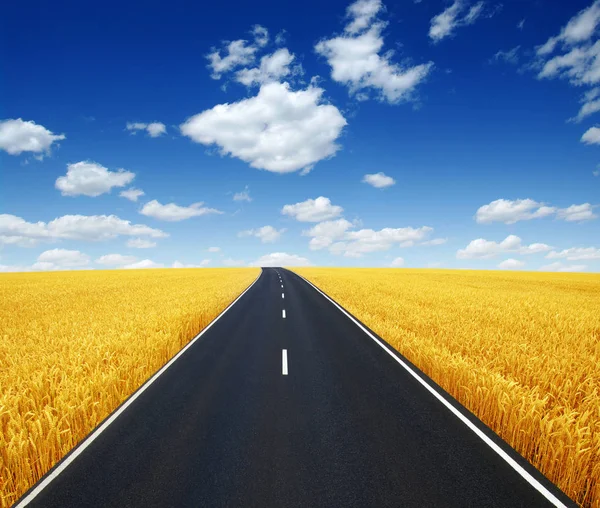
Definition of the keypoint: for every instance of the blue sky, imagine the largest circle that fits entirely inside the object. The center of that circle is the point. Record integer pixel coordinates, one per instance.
(414, 133)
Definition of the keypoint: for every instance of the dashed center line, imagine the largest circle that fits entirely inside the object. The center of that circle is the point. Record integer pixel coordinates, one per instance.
(283, 313)
(284, 367)
(282, 295)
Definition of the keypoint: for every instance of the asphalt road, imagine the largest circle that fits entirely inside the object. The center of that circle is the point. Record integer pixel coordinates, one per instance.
(343, 424)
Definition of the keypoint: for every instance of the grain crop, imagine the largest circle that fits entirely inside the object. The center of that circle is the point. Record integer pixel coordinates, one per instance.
(520, 350)
(74, 345)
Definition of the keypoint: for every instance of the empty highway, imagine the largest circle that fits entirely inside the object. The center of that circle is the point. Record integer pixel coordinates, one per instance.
(285, 401)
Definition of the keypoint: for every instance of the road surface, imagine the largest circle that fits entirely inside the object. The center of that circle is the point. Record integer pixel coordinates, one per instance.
(284, 401)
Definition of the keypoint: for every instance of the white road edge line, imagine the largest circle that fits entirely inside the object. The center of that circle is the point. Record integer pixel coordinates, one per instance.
(283, 313)
(507, 458)
(284, 369)
(92, 437)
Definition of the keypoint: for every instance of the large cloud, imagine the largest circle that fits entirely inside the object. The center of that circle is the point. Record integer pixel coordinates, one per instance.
(18, 136)
(173, 213)
(356, 60)
(281, 259)
(509, 212)
(278, 130)
(72, 227)
(91, 179)
(313, 210)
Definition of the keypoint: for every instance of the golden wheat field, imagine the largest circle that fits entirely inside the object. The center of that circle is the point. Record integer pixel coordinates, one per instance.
(74, 345)
(520, 350)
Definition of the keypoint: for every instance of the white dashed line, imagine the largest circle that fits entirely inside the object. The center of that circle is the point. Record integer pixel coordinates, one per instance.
(283, 313)
(282, 295)
(284, 369)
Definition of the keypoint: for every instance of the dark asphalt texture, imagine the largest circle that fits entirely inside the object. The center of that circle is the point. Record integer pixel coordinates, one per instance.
(348, 427)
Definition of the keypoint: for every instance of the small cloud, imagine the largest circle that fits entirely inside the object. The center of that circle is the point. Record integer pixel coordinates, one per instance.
(313, 210)
(243, 195)
(511, 264)
(17, 136)
(379, 180)
(140, 243)
(132, 194)
(154, 129)
(397, 262)
(214, 249)
(88, 178)
(173, 213)
(266, 234)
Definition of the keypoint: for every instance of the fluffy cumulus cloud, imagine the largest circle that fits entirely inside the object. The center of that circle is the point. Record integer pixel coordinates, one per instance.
(243, 195)
(591, 136)
(201, 264)
(379, 180)
(325, 233)
(357, 60)
(397, 262)
(61, 259)
(356, 243)
(173, 213)
(116, 260)
(144, 263)
(236, 53)
(273, 67)
(154, 129)
(140, 243)
(266, 234)
(72, 227)
(132, 194)
(560, 267)
(486, 249)
(313, 210)
(278, 130)
(509, 212)
(511, 264)
(576, 254)
(281, 259)
(456, 15)
(17, 136)
(91, 179)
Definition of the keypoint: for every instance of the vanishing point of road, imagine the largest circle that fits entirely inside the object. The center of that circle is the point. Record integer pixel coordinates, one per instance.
(287, 401)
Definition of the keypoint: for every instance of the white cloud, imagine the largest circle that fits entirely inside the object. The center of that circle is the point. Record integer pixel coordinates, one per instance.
(356, 61)
(278, 130)
(144, 263)
(485, 249)
(173, 213)
(559, 267)
(509, 212)
(261, 35)
(444, 24)
(591, 136)
(57, 259)
(576, 254)
(202, 264)
(272, 67)
(233, 262)
(140, 243)
(17, 136)
(132, 194)
(243, 195)
(397, 262)
(511, 264)
(356, 243)
(214, 249)
(325, 233)
(579, 29)
(154, 129)
(313, 210)
(266, 234)
(521, 24)
(116, 260)
(74, 227)
(590, 104)
(87, 178)
(237, 53)
(576, 213)
(379, 180)
(281, 259)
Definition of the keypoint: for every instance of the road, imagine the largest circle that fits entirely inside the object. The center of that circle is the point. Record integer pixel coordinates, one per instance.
(285, 402)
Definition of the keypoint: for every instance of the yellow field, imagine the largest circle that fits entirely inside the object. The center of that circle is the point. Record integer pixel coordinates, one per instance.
(520, 350)
(74, 345)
